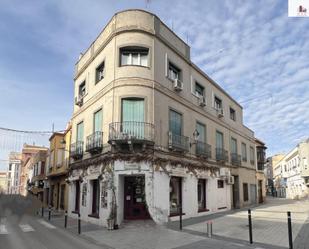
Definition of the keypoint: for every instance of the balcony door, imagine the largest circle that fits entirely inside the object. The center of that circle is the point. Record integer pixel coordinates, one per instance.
(80, 132)
(233, 146)
(132, 118)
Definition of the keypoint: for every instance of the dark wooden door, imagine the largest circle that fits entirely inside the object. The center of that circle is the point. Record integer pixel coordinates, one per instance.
(260, 191)
(134, 198)
(236, 192)
(77, 196)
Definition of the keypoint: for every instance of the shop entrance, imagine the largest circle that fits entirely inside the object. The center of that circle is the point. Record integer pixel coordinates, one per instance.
(134, 198)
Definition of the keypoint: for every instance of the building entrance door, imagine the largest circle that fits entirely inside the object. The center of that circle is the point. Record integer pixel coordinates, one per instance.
(260, 191)
(134, 198)
(236, 192)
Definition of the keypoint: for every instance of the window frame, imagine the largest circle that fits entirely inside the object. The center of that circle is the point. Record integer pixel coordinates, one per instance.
(244, 158)
(79, 89)
(181, 119)
(201, 87)
(97, 78)
(130, 50)
(220, 183)
(172, 67)
(232, 114)
(215, 103)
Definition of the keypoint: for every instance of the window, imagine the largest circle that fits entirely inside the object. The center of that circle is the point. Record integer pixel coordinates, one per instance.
(220, 184)
(232, 114)
(233, 145)
(84, 195)
(201, 129)
(136, 56)
(175, 195)
(201, 194)
(175, 123)
(97, 121)
(99, 72)
(217, 103)
(245, 190)
(80, 132)
(244, 152)
(104, 194)
(60, 157)
(82, 89)
(10, 166)
(95, 197)
(173, 72)
(199, 89)
(252, 155)
(219, 140)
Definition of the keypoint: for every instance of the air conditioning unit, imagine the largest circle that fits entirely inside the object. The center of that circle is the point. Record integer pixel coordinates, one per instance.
(220, 112)
(230, 180)
(178, 85)
(79, 100)
(202, 101)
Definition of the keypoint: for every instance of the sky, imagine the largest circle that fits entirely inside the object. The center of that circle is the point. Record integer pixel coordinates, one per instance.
(252, 49)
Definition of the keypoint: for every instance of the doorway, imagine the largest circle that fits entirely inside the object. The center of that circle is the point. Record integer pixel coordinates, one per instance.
(236, 192)
(260, 191)
(135, 206)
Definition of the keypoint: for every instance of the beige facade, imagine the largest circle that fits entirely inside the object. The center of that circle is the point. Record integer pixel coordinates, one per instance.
(152, 82)
(56, 189)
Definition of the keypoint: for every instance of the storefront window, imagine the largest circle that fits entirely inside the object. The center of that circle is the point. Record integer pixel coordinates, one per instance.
(201, 194)
(175, 195)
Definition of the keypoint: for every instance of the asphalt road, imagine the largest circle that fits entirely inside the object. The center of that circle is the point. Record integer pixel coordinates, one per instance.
(32, 232)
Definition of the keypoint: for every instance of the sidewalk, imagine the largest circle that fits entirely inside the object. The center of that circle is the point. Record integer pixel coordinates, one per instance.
(147, 235)
(269, 224)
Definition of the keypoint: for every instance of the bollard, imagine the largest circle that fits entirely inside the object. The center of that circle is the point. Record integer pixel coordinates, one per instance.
(78, 223)
(209, 229)
(290, 230)
(250, 226)
(42, 211)
(49, 213)
(65, 219)
(180, 217)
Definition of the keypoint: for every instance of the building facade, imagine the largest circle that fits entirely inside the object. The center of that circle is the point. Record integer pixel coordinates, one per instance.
(13, 173)
(28, 152)
(153, 135)
(56, 189)
(3, 182)
(37, 174)
(291, 173)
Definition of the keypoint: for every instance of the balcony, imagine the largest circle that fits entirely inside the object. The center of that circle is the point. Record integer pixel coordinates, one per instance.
(260, 166)
(235, 159)
(94, 142)
(77, 150)
(221, 155)
(178, 142)
(131, 132)
(203, 149)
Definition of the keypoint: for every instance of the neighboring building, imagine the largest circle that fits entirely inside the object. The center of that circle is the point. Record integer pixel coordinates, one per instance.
(57, 170)
(260, 175)
(151, 132)
(28, 152)
(3, 182)
(291, 173)
(269, 173)
(13, 173)
(38, 174)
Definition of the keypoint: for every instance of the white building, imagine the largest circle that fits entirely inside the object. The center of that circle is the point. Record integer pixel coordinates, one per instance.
(13, 173)
(291, 173)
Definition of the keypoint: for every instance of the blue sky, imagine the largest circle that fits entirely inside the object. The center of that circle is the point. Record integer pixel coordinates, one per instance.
(251, 48)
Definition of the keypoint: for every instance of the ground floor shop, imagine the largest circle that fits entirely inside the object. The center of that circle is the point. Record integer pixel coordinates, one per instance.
(127, 191)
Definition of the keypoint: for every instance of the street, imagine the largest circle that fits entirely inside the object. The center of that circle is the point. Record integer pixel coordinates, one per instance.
(32, 232)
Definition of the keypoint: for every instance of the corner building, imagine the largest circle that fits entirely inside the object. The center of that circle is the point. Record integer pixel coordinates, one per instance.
(151, 133)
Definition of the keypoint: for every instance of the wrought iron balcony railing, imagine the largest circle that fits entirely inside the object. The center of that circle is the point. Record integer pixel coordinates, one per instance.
(203, 149)
(235, 159)
(131, 131)
(94, 142)
(178, 142)
(77, 150)
(221, 155)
